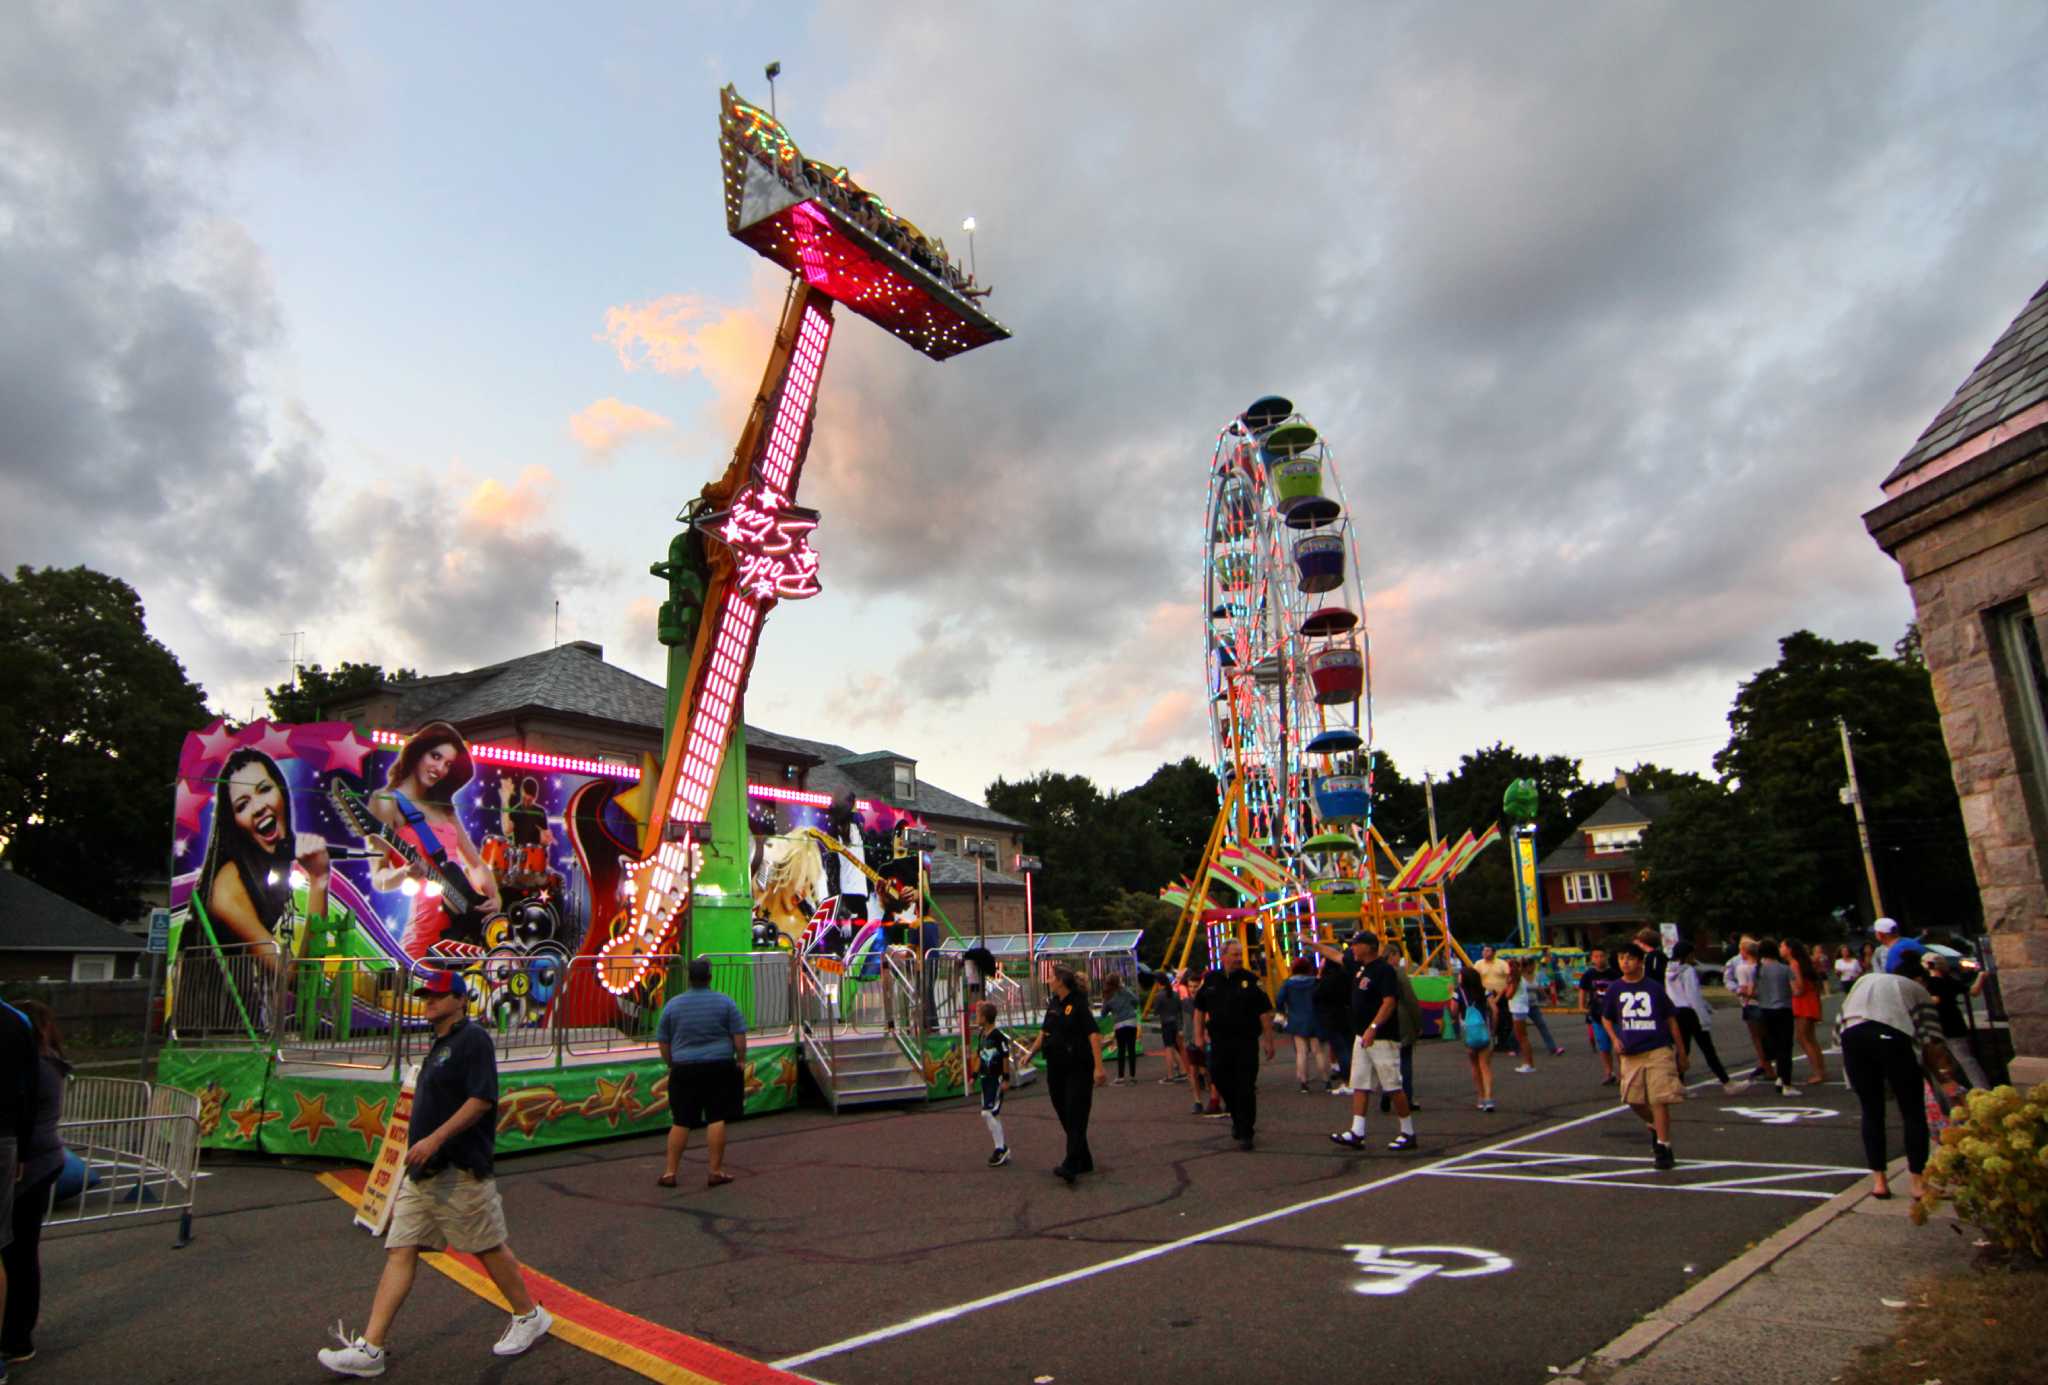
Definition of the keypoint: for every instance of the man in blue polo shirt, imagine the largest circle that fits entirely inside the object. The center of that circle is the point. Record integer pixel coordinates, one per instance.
(703, 1040)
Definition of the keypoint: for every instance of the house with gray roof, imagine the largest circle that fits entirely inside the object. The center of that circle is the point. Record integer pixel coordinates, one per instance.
(569, 701)
(1592, 886)
(1965, 516)
(45, 937)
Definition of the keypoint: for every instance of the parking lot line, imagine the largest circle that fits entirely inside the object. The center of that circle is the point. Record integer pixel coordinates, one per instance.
(1138, 1257)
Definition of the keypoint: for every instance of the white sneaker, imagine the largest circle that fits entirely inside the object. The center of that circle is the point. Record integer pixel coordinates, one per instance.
(1341, 1091)
(1785, 1089)
(353, 1357)
(1734, 1088)
(522, 1332)
(1525, 1068)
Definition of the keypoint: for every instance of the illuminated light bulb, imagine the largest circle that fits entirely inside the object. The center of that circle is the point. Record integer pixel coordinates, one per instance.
(298, 879)
(272, 877)
(409, 887)
(433, 888)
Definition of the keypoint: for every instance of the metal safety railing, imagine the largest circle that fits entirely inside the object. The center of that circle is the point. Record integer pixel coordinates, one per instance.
(762, 984)
(902, 1015)
(140, 1148)
(817, 998)
(344, 1013)
(225, 997)
(589, 1017)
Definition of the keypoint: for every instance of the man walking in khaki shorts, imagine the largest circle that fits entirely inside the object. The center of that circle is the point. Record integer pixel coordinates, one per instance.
(448, 1198)
(1639, 1017)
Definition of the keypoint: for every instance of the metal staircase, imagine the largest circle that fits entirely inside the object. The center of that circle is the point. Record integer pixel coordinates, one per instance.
(861, 1039)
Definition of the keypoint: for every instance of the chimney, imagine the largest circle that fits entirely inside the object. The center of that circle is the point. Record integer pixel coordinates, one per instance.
(1620, 782)
(594, 650)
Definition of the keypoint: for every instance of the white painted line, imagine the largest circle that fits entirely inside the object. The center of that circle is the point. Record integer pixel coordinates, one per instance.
(1772, 1177)
(1659, 1187)
(960, 1310)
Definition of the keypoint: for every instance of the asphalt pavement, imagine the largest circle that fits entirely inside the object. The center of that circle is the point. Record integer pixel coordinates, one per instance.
(876, 1246)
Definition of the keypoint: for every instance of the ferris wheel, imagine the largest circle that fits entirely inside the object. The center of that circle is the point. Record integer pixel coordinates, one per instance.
(1286, 651)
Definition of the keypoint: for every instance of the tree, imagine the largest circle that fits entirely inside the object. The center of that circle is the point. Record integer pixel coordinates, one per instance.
(316, 690)
(1482, 899)
(1783, 821)
(1065, 828)
(93, 712)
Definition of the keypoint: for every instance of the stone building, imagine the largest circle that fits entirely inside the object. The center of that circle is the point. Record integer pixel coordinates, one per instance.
(1966, 519)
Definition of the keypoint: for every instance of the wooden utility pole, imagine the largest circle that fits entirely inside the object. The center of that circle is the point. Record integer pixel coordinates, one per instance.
(1853, 796)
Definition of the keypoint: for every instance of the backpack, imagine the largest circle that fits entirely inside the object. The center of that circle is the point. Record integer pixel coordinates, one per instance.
(1473, 1028)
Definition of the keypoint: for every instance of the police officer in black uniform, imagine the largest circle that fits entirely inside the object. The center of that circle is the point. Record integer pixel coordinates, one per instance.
(1235, 1015)
(1073, 1066)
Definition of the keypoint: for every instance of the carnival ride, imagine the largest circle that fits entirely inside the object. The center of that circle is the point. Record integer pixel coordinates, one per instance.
(1293, 857)
(322, 993)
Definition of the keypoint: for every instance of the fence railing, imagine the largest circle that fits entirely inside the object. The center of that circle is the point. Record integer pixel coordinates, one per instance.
(817, 1001)
(762, 984)
(225, 997)
(140, 1146)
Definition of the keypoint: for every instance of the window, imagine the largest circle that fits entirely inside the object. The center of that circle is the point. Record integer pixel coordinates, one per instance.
(1588, 888)
(950, 843)
(2016, 647)
(906, 782)
(92, 967)
(1613, 839)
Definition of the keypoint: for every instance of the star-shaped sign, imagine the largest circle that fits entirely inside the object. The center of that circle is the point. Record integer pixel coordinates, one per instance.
(769, 539)
(369, 1121)
(312, 1120)
(250, 1118)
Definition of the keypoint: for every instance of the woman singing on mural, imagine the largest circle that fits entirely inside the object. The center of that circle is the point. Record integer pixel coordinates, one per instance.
(246, 881)
(418, 804)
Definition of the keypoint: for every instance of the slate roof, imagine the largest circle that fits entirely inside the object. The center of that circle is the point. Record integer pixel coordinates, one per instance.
(33, 919)
(2011, 378)
(575, 679)
(827, 777)
(1621, 810)
(1619, 911)
(951, 870)
(572, 678)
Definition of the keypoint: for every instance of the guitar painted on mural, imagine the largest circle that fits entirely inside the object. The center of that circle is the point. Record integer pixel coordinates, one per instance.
(466, 906)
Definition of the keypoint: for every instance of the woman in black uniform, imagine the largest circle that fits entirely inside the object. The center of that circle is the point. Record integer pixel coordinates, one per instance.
(1073, 1066)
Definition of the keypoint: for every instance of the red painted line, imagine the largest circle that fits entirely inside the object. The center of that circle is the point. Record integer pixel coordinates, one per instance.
(690, 1355)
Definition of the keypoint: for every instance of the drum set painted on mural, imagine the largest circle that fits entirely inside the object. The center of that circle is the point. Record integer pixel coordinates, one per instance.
(525, 950)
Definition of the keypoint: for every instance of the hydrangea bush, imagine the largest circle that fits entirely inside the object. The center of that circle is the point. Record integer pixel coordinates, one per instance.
(1993, 1164)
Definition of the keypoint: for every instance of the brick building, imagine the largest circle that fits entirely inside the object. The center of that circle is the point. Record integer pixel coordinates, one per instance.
(569, 701)
(1592, 886)
(1966, 519)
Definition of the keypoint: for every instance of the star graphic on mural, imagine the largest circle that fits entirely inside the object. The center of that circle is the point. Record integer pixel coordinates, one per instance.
(193, 796)
(613, 1099)
(214, 743)
(312, 1120)
(270, 738)
(369, 1121)
(250, 1118)
(347, 751)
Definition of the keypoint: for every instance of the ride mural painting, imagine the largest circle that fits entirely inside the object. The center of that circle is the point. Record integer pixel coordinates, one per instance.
(312, 843)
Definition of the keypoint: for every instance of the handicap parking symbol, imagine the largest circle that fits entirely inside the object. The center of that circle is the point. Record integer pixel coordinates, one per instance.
(1781, 1115)
(1398, 1269)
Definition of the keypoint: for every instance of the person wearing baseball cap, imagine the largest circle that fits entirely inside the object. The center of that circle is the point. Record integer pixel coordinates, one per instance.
(1893, 947)
(448, 1197)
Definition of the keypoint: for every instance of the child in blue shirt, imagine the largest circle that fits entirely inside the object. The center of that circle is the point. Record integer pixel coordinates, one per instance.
(992, 1069)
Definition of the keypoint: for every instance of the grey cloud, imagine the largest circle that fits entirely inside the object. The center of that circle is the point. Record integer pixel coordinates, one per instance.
(134, 320)
(1615, 315)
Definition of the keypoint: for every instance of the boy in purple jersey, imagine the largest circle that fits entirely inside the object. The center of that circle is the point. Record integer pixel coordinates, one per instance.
(1640, 1021)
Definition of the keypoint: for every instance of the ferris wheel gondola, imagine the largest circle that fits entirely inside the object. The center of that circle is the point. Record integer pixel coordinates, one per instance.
(1287, 650)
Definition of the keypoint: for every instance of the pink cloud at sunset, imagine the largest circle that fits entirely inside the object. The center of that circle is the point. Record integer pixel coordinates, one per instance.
(609, 424)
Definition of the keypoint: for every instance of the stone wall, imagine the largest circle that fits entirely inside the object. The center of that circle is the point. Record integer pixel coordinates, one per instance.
(1979, 548)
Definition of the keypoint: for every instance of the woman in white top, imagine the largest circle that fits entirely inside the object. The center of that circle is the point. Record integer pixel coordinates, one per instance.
(1847, 968)
(1883, 1023)
(1695, 1016)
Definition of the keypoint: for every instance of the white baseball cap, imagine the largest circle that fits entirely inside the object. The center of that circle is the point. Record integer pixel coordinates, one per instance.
(1885, 926)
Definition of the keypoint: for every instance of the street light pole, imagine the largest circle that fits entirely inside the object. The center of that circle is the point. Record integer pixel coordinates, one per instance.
(968, 227)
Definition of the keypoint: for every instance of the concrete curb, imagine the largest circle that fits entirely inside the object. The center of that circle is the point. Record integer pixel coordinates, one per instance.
(1700, 1297)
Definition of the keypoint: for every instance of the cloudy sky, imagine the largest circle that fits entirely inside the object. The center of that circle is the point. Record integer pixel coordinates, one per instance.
(396, 325)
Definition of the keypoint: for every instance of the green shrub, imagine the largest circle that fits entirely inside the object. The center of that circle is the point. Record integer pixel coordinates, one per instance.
(1993, 1164)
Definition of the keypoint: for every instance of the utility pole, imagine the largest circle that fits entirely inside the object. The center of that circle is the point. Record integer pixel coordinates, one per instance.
(1429, 798)
(1853, 796)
